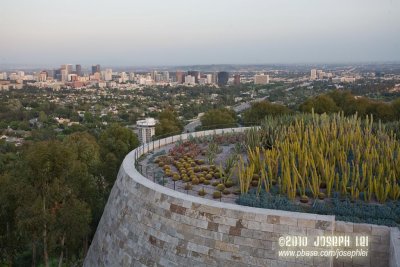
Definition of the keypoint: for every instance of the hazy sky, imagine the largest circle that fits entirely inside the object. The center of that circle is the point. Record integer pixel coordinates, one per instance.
(185, 32)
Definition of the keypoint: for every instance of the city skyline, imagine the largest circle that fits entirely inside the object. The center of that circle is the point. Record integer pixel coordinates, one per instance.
(138, 33)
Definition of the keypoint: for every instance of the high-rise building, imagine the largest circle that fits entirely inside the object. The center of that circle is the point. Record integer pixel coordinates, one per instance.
(195, 74)
(123, 77)
(261, 79)
(64, 75)
(67, 67)
(78, 70)
(108, 75)
(165, 76)
(42, 76)
(190, 80)
(131, 76)
(236, 79)
(215, 78)
(154, 75)
(4, 76)
(223, 78)
(313, 74)
(209, 78)
(180, 77)
(96, 68)
(57, 74)
(146, 130)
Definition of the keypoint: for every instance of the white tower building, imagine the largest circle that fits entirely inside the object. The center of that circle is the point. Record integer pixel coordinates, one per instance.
(146, 130)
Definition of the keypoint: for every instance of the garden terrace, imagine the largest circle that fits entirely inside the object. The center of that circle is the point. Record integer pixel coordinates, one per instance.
(147, 224)
(320, 164)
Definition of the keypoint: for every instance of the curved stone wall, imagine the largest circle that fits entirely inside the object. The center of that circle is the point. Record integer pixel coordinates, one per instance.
(146, 224)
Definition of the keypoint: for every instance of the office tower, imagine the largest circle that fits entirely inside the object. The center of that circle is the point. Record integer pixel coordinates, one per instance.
(64, 75)
(165, 76)
(209, 78)
(261, 79)
(108, 75)
(78, 70)
(158, 77)
(95, 68)
(180, 76)
(313, 74)
(57, 74)
(236, 79)
(42, 76)
(190, 80)
(146, 130)
(154, 75)
(214, 78)
(223, 78)
(131, 76)
(123, 77)
(21, 74)
(195, 74)
(67, 67)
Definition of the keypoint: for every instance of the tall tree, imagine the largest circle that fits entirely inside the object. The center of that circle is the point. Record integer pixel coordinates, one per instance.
(168, 123)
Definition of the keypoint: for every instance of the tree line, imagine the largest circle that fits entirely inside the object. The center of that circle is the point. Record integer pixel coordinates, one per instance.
(52, 195)
(331, 102)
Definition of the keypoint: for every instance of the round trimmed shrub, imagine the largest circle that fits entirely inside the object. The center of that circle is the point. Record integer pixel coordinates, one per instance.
(188, 186)
(229, 184)
(217, 194)
(202, 192)
(304, 199)
(226, 192)
(220, 187)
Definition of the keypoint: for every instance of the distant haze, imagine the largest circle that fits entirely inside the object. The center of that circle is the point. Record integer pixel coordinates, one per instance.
(184, 32)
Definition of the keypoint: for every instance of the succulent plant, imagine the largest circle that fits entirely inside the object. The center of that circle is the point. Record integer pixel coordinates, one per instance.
(220, 187)
(229, 183)
(202, 192)
(304, 199)
(188, 186)
(217, 194)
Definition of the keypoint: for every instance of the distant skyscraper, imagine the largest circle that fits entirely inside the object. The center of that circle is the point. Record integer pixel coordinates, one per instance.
(190, 80)
(209, 78)
(214, 78)
(42, 76)
(180, 77)
(166, 76)
(313, 74)
(108, 75)
(154, 75)
(78, 70)
(95, 68)
(236, 79)
(223, 78)
(261, 79)
(195, 74)
(57, 74)
(64, 75)
(67, 67)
